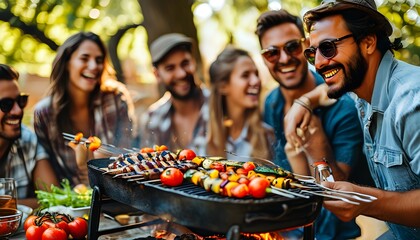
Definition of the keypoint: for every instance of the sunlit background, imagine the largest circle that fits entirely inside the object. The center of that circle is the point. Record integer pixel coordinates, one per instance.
(31, 31)
(28, 27)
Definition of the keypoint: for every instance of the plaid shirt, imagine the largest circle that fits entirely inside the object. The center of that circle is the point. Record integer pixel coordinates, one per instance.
(20, 167)
(157, 126)
(112, 124)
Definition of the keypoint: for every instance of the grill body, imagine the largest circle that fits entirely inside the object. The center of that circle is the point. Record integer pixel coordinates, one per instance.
(192, 206)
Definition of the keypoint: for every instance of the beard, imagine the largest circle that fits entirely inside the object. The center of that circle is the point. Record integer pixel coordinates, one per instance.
(304, 72)
(353, 79)
(9, 136)
(191, 93)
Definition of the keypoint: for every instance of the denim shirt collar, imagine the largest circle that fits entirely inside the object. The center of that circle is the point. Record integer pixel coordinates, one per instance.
(380, 100)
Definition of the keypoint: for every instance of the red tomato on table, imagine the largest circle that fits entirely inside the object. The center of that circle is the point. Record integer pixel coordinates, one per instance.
(34, 232)
(54, 233)
(78, 228)
(172, 177)
(29, 222)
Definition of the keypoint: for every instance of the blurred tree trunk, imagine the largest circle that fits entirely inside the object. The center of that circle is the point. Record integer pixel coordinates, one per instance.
(167, 16)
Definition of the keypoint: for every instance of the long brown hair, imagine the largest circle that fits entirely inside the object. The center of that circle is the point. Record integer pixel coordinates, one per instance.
(220, 73)
(60, 75)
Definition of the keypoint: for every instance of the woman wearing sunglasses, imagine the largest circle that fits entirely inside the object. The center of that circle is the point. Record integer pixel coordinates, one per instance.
(83, 98)
(21, 156)
(235, 123)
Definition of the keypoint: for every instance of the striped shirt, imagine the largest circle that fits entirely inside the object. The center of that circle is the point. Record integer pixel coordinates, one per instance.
(157, 126)
(20, 167)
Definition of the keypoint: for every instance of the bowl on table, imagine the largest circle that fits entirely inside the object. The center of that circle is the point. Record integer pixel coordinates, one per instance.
(26, 212)
(9, 221)
(72, 211)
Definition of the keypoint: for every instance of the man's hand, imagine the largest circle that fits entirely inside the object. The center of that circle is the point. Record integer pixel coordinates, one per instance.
(345, 211)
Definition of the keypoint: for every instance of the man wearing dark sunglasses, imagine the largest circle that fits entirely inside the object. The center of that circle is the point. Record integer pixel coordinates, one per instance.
(331, 135)
(388, 102)
(21, 157)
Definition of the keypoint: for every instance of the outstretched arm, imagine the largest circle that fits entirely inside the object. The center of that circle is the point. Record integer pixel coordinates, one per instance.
(396, 207)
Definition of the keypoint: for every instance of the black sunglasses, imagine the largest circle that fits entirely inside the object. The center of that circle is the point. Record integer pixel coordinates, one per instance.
(293, 47)
(327, 48)
(6, 104)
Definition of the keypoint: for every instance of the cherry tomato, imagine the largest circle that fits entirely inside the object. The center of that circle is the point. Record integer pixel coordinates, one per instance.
(47, 224)
(241, 171)
(240, 191)
(54, 233)
(257, 187)
(63, 225)
(243, 179)
(172, 177)
(146, 150)
(218, 166)
(78, 228)
(34, 232)
(248, 166)
(186, 154)
(29, 222)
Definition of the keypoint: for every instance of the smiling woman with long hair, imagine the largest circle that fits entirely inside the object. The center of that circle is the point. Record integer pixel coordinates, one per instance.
(83, 98)
(235, 119)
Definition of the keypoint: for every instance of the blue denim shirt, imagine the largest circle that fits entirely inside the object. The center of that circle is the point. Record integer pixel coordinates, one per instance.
(391, 126)
(341, 125)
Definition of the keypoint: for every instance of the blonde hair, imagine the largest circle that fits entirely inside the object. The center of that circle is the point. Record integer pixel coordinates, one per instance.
(218, 127)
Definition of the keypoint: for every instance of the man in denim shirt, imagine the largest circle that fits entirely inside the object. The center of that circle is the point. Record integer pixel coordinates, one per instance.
(350, 48)
(334, 136)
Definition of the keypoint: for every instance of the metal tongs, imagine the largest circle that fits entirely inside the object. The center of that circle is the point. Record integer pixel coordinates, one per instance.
(104, 148)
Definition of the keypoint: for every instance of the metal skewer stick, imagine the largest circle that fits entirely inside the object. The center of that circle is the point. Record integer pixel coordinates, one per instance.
(281, 193)
(270, 163)
(327, 195)
(104, 148)
(290, 192)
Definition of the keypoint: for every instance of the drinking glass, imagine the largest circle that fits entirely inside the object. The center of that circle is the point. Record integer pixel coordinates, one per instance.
(8, 193)
(10, 216)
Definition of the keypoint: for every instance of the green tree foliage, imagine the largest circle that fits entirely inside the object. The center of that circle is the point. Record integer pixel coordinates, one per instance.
(31, 30)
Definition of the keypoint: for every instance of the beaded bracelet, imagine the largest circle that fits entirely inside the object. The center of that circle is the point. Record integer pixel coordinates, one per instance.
(303, 104)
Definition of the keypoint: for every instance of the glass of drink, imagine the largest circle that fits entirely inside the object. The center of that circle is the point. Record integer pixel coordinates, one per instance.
(8, 193)
(10, 216)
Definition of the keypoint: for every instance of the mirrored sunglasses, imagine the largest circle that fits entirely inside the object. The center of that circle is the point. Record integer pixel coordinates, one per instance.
(6, 104)
(293, 47)
(327, 48)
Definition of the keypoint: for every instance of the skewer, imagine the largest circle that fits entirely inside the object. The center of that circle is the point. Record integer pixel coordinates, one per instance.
(137, 179)
(355, 195)
(290, 192)
(265, 161)
(281, 193)
(329, 195)
(104, 148)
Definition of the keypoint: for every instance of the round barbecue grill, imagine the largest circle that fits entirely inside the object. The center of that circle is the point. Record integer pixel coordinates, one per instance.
(192, 206)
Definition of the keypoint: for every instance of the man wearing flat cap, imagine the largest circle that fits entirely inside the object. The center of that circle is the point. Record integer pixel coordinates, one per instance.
(179, 119)
(351, 49)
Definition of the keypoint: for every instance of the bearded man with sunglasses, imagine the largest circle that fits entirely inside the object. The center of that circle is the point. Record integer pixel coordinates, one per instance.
(330, 136)
(351, 49)
(21, 157)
